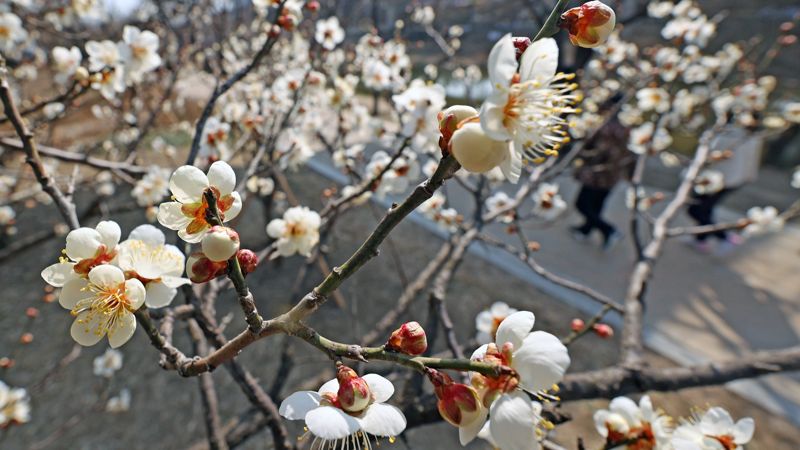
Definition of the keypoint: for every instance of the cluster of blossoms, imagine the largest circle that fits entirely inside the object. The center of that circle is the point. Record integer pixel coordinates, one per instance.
(15, 406)
(630, 426)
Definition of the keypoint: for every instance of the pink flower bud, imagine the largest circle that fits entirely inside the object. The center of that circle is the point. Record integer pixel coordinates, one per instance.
(354, 394)
(220, 243)
(577, 325)
(458, 403)
(200, 269)
(590, 24)
(603, 330)
(313, 6)
(521, 43)
(409, 339)
(248, 260)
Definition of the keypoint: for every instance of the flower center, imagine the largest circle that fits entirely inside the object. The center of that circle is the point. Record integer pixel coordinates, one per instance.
(5, 33)
(103, 309)
(726, 441)
(102, 256)
(198, 211)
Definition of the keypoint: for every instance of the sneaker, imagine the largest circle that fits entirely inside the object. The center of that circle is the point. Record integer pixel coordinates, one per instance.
(611, 240)
(578, 234)
(703, 247)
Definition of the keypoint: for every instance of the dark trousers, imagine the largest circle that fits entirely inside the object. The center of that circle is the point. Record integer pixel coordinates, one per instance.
(590, 203)
(702, 211)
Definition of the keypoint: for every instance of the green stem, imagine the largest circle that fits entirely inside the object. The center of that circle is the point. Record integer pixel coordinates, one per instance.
(550, 26)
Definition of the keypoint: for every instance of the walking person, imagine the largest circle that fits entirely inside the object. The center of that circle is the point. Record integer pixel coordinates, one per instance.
(605, 161)
(740, 168)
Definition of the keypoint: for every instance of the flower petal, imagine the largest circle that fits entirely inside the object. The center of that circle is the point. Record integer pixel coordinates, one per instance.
(327, 422)
(383, 420)
(83, 243)
(136, 293)
(193, 238)
(276, 228)
(512, 166)
(492, 116)
(381, 388)
(236, 207)
(171, 216)
(513, 421)
(123, 329)
(541, 361)
(468, 433)
(87, 332)
(148, 234)
(173, 281)
(58, 274)
(626, 408)
(515, 328)
(73, 291)
(159, 294)
(502, 62)
(187, 184)
(106, 275)
(221, 175)
(109, 233)
(743, 430)
(540, 60)
(479, 352)
(330, 386)
(297, 405)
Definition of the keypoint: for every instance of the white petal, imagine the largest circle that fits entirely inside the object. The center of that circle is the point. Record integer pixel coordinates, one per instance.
(479, 352)
(515, 328)
(297, 405)
(59, 273)
(236, 207)
(173, 281)
(627, 408)
(492, 116)
(381, 388)
(383, 420)
(122, 330)
(716, 421)
(484, 321)
(83, 243)
(106, 275)
(136, 293)
(541, 361)
(743, 430)
(331, 423)
(221, 175)
(512, 166)
(276, 228)
(187, 184)
(73, 292)
(513, 422)
(109, 233)
(86, 334)
(192, 238)
(330, 386)
(171, 216)
(468, 433)
(600, 418)
(501, 309)
(148, 234)
(502, 62)
(159, 294)
(540, 60)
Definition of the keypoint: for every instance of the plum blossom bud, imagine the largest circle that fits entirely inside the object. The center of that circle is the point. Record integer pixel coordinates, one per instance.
(474, 150)
(458, 403)
(26, 338)
(81, 74)
(590, 24)
(6, 363)
(521, 43)
(603, 330)
(577, 325)
(32, 312)
(313, 6)
(354, 394)
(248, 260)
(201, 269)
(220, 243)
(409, 339)
(449, 120)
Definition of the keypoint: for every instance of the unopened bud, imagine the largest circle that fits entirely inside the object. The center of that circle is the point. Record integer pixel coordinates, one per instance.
(521, 43)
(475, 151)
(220, 243)
(248, 260)
(6, 363)
(26, 338)
(81, 74)
(201, 269)
(313, 6)
(458, 403)
(32, 312)
(603, 330)
(274, 31)
(449, 120)
(590, 24)
(354, 394)
(409, 339)
(577, 324)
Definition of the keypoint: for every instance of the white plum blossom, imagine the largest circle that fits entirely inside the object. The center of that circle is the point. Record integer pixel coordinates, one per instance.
(187, 214)
(15, 407)
(403, 170)
(66, 62)
(214, 142)
(262, 186)
(626, 425)
(714, 430)
(646, 138)
(11, 31)
(763, 220)
(539, 360)
(119, 403)
(525, 106)
(108, 363)
(653, 99)
(795, 183)
(791, 112)
(146, 257)
(152, 187)
(86, 248)
(487, 321)
(547, 203)
(709, 181)
(331, 427)
(139, 52)
(296, 232)
(102, 54)
(103, 305)
(498, 202)
(329, 33)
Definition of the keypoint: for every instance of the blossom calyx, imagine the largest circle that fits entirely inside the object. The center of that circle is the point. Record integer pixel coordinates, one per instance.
(353, 394)
(220, 243)
(200, 269)
(590, 24)
(409, 339)
(458, 403)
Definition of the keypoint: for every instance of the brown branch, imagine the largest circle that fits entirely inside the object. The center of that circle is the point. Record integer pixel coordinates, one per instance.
(208, 394)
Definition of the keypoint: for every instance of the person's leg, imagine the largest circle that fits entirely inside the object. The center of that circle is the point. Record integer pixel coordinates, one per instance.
(583, 205)
(700, 211)
(721, 234)
(600, 201)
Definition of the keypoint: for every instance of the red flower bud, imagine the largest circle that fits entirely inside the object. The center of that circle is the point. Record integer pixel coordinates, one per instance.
(32, 312)
(248, 260)
(6, 363)
(26, 338)
(590, 24)
(200, 269)
(274, 31)
(313, 6)
(354, 394)
(521, 43)
(577, 325)
(458, 403)
(603, 330)
(409, 339)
